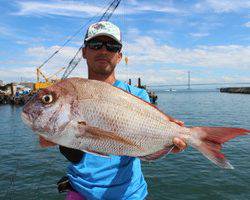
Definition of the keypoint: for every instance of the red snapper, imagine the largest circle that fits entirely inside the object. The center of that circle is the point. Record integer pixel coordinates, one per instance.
(98, 118)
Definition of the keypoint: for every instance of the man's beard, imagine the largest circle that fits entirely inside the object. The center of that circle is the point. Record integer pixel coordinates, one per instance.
(103, 70)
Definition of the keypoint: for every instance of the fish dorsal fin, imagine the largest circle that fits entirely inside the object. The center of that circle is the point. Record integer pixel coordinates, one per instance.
(158, 154)
(167, 117)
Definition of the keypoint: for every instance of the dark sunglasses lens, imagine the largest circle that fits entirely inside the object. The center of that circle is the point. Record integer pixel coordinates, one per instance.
(110, 46)
(113, 47)
(95, 45)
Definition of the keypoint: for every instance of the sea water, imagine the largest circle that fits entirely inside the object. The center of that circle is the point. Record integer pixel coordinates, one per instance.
(28, 171)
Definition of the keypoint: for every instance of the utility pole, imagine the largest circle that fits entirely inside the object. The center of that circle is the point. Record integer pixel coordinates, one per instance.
(189, 80)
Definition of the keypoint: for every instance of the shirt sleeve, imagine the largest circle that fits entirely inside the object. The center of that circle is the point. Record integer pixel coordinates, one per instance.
(144, 95)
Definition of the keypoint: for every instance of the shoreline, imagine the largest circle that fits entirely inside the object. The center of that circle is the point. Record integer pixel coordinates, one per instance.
(241, 90)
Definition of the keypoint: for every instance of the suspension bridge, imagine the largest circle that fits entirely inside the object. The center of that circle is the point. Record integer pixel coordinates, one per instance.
(188, 85)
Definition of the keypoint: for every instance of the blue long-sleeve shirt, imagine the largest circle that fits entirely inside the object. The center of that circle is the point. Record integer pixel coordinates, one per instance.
(113, 178)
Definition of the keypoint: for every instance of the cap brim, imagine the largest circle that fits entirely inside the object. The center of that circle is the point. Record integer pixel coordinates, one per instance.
(103, 34)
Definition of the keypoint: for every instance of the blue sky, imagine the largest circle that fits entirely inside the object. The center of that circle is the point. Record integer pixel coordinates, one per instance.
(163, 39)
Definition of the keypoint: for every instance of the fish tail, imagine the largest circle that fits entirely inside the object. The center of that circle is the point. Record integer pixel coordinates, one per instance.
(209, 140)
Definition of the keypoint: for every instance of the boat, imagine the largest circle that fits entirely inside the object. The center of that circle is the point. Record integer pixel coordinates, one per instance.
(170, 90)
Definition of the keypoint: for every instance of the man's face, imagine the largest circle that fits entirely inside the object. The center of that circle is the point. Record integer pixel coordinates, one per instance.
(101, 61)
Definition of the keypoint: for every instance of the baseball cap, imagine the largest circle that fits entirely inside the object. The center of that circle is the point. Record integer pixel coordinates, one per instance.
(103, 28)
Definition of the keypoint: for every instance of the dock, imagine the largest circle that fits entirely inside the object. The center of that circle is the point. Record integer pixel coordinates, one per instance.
(18, 101)
(14, 94)
(241, 90)
(152, 95)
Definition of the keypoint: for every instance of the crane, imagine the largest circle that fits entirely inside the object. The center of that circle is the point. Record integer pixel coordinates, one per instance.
(110, 10)
(48, 80)
(77, 58)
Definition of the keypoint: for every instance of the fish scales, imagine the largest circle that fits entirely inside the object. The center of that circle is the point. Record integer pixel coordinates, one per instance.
(138, 132)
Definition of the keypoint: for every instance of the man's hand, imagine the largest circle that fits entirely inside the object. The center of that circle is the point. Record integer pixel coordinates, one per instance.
(181, 123)
(180, 145)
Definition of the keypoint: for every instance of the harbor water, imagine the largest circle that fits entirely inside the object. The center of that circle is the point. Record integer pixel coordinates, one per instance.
(28, 171)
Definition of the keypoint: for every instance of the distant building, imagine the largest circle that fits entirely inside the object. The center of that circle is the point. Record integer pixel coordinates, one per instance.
(27, 84)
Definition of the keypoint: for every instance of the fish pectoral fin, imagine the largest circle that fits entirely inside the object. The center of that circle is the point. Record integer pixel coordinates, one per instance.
(45, 143)
(99, 134)
(158, 154)
(96, 153)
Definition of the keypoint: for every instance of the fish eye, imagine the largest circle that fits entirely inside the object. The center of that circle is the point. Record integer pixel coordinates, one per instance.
(47, 98)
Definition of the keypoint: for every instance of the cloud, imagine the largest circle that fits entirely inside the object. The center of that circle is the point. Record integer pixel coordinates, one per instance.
(153, 62)
(152, 76)
(247, 24)
(32, 58)
(222, 6)
(29, 73)
(39, 54)
(16, 74)
(4, 31)
(80, 9)
(164, 64)
(19, 36)
(199, 35)
(146, 50)
(63, 8)
(157, 8)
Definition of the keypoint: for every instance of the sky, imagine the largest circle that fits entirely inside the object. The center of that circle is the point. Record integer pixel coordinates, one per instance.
(163, 40)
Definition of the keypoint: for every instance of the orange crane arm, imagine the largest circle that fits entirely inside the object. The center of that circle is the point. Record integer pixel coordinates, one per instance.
(39, 72)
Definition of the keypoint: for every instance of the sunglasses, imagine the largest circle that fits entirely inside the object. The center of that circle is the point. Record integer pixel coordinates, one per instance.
(110, 46)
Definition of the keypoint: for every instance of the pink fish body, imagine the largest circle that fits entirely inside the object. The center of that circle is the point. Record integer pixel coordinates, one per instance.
(98, 118)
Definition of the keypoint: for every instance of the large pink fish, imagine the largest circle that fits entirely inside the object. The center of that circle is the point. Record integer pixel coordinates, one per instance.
(98, 118)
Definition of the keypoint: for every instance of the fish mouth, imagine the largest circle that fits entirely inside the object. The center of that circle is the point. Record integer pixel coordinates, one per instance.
(26, 119)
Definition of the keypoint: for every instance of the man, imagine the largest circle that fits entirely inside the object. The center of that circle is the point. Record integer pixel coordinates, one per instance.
(117, 177)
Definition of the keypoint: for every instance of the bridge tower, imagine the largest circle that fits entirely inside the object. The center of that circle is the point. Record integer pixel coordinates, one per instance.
(189, 81)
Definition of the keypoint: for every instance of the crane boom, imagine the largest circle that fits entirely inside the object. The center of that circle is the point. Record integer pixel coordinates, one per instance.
(57, 72)
(72, 64)
(110, 10)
